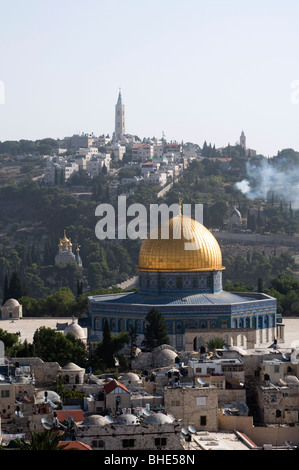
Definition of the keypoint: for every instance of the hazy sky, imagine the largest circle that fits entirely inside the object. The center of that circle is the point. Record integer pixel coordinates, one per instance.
(195, 70)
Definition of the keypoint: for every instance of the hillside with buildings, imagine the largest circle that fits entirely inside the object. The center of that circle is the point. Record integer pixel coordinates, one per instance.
(76, 358)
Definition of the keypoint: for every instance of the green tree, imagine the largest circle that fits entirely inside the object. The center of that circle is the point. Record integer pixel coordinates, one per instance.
(46, 440)
(284, 283)
(216, 343)
(15, 289)
(104, 354)
(58, 304)
(155, 330)
(133, 342)
(107, 346)
(260, 284)
(5, 290)
(30, 306)
(54, 346)
(9, 339)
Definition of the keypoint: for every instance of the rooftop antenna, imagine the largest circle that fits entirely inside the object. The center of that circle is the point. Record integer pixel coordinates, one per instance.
(146, 412)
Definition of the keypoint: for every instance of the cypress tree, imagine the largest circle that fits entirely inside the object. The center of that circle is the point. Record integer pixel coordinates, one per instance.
(6, 290)
(107, 346)
(15, 290)
(155, 330)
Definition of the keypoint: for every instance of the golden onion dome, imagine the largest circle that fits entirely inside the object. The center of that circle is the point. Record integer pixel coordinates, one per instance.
(65, 241)
(194, 249)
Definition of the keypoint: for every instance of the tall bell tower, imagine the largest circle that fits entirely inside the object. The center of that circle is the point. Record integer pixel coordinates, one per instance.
(119, 118)
(243, 140)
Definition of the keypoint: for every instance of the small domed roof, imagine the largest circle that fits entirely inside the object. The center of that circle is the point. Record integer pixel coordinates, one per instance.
(291, 379)
(158, 418)
(127, 419)
(71, 366)
(130, 377)
(95, 420)
(11, 303)
(75, 329)
(164, 357)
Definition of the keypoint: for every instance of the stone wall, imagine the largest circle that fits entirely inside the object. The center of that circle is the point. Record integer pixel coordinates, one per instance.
(194, 406)
(275, 435)
(45, 373)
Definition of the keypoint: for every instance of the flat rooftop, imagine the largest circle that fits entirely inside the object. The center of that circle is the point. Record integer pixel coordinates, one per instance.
(220, 298)
(218, 441)
(28, 326)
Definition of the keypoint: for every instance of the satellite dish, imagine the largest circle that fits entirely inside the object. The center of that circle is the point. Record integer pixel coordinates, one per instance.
(200, 381)
(146, 412)
(51, 404)
(290, 445)
(184, 431)
(191, 429)
(19, 414)
(18, 400)
(295, 356)
(2, 378)
(47, 425)
(109, 419)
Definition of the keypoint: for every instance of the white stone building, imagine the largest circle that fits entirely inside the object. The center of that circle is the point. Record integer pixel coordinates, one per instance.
(11, 309)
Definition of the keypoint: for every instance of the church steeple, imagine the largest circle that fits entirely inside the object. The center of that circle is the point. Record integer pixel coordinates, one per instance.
(119, 101)
(243, 140)
(119, 118)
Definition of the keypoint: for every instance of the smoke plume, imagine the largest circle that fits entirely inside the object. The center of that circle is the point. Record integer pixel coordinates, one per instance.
(266, 178)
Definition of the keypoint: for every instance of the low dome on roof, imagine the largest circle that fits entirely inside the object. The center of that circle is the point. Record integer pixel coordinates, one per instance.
(291, 379)
(130, 377)
(165, 357)
(11, 303)
(127, 419)
(75, 329)
(71, 366)
(95, 420)
(158, 418)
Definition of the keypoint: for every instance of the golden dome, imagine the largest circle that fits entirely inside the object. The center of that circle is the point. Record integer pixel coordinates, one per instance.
(173, 253)
(65, 241)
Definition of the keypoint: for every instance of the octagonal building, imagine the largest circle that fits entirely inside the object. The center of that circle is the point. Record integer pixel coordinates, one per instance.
(180, 274)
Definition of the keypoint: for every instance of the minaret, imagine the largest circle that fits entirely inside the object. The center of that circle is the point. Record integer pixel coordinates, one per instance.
(119, 118)
(243, 140)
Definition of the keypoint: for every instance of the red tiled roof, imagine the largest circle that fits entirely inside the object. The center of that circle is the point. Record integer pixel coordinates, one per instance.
(74, 445)
(112, 385)
(138, 146)
(77, 415)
